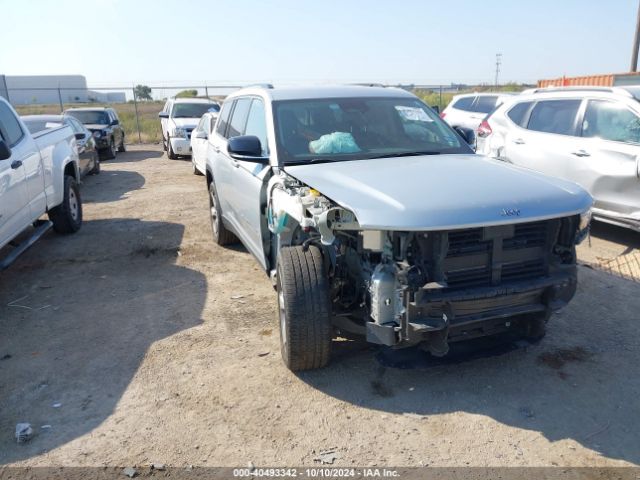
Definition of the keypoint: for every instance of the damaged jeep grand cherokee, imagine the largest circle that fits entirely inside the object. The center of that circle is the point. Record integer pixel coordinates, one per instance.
(374, 217)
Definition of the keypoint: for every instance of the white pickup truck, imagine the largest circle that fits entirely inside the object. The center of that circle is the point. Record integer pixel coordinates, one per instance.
(38, 174)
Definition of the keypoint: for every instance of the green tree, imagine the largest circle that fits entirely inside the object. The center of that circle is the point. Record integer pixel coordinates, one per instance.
(142, 92)
(187, 93)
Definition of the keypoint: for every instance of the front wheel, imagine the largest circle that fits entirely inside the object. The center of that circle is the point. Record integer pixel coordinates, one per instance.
(304, 309)
(110, 152)
(170, 153)
(194, 167)
(96, 165)
(67, 217)
(122, 147)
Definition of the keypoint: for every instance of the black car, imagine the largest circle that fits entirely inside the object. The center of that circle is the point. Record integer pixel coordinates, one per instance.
(105, 126)
(86, 144)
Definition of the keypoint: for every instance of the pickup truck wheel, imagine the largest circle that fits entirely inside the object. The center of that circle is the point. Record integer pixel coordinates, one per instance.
(221, 235)
(304, 309)
(170, 153)
(96, 165)
(195, 169)
(535, 328)
(67, 217)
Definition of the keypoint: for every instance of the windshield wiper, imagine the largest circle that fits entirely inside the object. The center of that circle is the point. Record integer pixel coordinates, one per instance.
(404, 154)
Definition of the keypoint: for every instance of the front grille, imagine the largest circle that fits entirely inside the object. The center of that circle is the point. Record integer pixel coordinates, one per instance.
(480, 257)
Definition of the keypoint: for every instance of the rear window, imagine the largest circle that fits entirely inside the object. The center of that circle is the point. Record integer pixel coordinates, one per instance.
(464, 103)
(518, 112)
(484, 104)
(9, 126)
(554, 116)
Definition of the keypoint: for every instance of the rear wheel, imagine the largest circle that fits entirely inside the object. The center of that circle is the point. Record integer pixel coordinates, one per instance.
(67, 217)
(221, 235)
(304, 309)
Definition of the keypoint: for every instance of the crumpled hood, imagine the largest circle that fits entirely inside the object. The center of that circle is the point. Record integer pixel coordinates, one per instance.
(441, 192)
(185, 122)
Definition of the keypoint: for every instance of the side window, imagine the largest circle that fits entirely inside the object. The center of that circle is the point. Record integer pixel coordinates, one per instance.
(610, 121)
(554, 116)
(9, 126)
(239, 117)
(224, 118)
(518, 113)
(256, 123)
(484, 103)
(464, 103)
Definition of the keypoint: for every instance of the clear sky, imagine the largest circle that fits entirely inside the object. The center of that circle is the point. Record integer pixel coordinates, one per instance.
(160, 42)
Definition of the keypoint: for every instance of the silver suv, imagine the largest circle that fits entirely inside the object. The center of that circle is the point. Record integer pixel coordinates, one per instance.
(588, 135)
(372, 216)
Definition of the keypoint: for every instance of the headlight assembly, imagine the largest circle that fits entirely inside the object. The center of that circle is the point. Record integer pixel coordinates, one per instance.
(583, 228)
(179, 132)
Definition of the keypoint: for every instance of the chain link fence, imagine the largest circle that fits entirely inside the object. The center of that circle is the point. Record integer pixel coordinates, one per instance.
(138, 107)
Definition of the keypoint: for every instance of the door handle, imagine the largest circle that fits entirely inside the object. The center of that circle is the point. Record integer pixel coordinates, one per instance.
(518, 141)
(16, 164)
(581, 153)
(235, 164)
(216, 149)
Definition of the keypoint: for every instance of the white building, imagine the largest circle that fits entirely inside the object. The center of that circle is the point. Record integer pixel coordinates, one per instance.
(53, 89)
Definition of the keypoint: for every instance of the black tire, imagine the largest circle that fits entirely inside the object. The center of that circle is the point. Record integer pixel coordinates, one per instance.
(304, 309)
(220, 234)
(535, 327)
(122, 147)
(67, 217)
(96, 165)
(170, 152)
(110, 151)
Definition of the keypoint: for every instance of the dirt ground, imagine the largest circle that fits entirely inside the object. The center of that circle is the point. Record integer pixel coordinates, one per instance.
(137, 341)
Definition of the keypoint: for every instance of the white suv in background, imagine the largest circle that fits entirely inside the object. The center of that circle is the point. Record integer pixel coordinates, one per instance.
(469, 109)
(588, 135)
(178, 118)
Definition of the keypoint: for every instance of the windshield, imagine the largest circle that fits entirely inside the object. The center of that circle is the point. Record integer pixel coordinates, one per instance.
(360, 128)
(89, 117)
(192, 110)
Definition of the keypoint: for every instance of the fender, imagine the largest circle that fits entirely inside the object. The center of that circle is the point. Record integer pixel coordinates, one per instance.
(63, 161)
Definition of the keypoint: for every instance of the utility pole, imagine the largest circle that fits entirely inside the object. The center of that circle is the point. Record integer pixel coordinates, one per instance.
(636, 43)
(498, 63)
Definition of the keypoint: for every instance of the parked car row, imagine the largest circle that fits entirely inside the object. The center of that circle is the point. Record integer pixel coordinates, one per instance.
(374, 217)
(587, 135)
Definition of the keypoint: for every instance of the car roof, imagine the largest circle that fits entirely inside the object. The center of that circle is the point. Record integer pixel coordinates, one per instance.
(485, 94)
(88, 109)
(44, 117)
(193, 100)
(321, 92)
(579, 91)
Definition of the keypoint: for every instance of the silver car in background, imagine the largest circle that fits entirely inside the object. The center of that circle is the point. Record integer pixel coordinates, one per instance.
(588, 135)
(469, 109)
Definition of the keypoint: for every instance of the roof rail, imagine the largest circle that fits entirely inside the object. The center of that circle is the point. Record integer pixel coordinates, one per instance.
(579, 88)
(260, 85)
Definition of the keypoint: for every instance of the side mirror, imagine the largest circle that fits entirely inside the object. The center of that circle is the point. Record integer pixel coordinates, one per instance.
(5, 151)
(201, 134)
(115, 122)
(435, 108)
(163, 115)
(467, 135)
(80, 136)
(246, 147)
